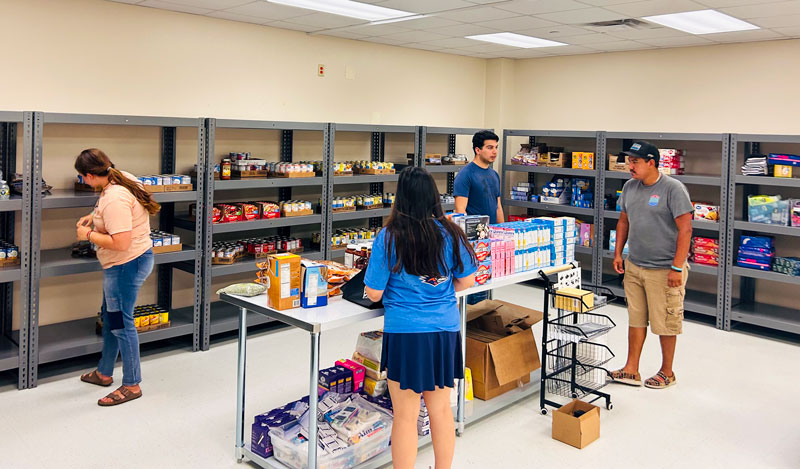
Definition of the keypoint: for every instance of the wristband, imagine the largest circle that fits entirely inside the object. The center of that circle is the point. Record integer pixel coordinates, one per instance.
(676, 269)
(89, 235)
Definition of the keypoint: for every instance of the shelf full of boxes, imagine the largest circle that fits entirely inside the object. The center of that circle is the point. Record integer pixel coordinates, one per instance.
(365, 163)
(700, 161)
(445, 151)
(265, 194)
(150, 146)
(16, 146)
(763, 258)
(562, 179)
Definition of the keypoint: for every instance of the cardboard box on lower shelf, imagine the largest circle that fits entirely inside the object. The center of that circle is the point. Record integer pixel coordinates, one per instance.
(576, 430)
(501, 349)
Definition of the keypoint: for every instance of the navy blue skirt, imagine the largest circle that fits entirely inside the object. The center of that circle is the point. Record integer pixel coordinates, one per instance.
(422, 361)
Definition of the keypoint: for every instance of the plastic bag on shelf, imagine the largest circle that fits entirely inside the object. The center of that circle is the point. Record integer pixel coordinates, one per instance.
(769, 209)
(243, 289)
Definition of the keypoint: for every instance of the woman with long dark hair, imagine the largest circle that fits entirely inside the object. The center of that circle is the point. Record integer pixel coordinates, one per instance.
(419, 260)
(120, 228)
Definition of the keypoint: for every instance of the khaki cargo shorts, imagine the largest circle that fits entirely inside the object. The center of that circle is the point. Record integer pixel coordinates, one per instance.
(651, 299)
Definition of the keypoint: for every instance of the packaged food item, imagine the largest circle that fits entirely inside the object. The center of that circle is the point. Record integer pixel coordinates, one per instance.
(314, 285)
(707, 212)
(284, 281)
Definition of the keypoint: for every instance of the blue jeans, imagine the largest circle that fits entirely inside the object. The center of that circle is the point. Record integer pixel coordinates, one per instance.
(121, 284)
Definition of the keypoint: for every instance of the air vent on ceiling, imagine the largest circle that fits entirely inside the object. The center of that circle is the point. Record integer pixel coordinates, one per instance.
(626, 24)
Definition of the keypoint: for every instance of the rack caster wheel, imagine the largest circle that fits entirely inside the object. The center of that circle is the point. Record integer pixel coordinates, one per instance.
(574, 395)
(609, 406)
(544, 411)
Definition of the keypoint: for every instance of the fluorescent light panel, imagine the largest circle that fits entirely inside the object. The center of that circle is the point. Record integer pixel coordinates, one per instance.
(701, 22)
(515, 40)
(397, 20)
(347, 8)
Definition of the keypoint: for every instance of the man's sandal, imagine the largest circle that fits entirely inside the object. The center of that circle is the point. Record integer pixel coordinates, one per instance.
(631, 379)
(661, 381)
(94, 378)
(127, 395)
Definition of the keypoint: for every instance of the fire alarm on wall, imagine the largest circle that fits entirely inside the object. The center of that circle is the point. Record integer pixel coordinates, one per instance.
(320, 70)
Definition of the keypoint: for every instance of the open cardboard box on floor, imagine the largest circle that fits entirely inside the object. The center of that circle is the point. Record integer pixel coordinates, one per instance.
(576, 431)
(501, 350)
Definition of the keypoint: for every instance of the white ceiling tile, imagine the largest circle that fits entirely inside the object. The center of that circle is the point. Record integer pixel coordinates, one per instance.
(515, 24)
(731, 3)
(240, 18)
(689, 40)
(429, 23)
(324, 20)
(174, 7)
(792, 31)
(593, 38)
(424, 46)
(346, 34)
(764, 10)
(573, 50)
(487, 48)
(618, 45)
(458, 52)
(415, 36)
(585, 15)
(385, 40)
(646, 33)
(777, 21)
(535, 7)
(604, 3)
(425, 6)
(477, 14)
(744, 36)
(527, 53)
(556, 31)
(453, 43)
(293, 26)
(377, 29)
(211, 4)
(655, 7)
(129, 2)
(272, 11)
(461, 30)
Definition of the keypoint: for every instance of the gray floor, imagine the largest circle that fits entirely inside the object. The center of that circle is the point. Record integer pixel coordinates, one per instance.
(735, 406)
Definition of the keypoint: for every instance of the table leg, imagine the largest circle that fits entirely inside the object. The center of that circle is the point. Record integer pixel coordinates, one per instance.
(462, 383)
(240, 374)
(312, 401)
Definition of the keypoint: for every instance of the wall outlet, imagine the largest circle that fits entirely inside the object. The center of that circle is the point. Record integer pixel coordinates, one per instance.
(320, 70)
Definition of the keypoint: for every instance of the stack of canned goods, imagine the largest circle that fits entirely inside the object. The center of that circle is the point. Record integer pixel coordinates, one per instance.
(149, 315)
(160, 179)
(317, 165)
(231, 250)
(448, 199)
(294, 206)
(283, 168)
(367, 201)
(342, 168)
(380, 165)
(342, 237)
(343, 203)
(9, 253)
(227, 250)
(162, 238)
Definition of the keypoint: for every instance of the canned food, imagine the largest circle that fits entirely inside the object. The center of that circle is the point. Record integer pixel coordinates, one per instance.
(155, 317)
(164, 317)
(186, 179)
(158, 241)
(176, 179)
(175, 239)
(144, 320)
(12, 252)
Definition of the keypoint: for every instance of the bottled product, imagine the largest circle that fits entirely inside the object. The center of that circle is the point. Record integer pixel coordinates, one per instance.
(5, 190)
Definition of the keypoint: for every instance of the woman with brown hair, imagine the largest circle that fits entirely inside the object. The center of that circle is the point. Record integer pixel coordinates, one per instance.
(120, 228)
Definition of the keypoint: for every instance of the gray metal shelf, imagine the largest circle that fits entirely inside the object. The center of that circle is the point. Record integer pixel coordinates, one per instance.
(59, 262)
(448, 207)
(584, 250)
(11, 205)
(765, 228)
(365, 179)
(549, 170)
(249, 264)
(9, 354)
(691, 179)
(705, 225)
(764, 275)
(443, 168)
(269, 125)
(697, 137)
(78, 338)
(362, 214)
(10, 274)
(406, 129)
(104, 119)
(618, 175)
(265, 224)
(550, 207)
(67, 198)
(453, 130)
(767, 181)
(551, 133)
(767, 315)
(693, 267)
(266, 183)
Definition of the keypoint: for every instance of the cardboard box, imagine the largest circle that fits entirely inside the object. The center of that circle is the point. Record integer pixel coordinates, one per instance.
(574, 299)
(314, 286)
(555, 159)
(576, 431)
(500, 362)
(617, 163)
(782, 171)
(284, 281)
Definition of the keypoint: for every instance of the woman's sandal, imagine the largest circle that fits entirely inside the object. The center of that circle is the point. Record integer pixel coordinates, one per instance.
(94, 378)
(127, 395)
(630, 379)
(661, 381)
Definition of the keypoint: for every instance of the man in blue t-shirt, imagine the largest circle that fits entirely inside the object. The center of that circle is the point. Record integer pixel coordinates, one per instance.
(477, 186)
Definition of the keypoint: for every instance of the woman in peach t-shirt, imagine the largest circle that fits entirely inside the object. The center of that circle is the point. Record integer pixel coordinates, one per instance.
(120, 228)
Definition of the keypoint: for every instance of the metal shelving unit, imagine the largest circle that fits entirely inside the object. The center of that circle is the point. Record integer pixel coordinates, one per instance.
(14, 344)
(747, 309)
(452, 133)
(215, 318)
(75, 338)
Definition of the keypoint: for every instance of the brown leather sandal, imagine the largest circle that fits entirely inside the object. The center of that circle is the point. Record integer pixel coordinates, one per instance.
(127, 395)
(94, 378)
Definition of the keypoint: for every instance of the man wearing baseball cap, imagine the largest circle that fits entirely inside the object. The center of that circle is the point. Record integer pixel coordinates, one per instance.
(656, 220)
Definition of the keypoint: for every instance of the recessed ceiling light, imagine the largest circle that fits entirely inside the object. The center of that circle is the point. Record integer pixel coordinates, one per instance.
(347, 8)
(701, 22)
(515, 40)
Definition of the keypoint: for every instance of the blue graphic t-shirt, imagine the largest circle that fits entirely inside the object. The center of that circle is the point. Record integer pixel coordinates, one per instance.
(416, 304)
(481, 187)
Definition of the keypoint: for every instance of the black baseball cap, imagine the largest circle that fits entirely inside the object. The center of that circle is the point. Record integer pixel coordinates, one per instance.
(642, 149)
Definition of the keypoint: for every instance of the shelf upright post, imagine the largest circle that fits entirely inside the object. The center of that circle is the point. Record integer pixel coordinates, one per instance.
(204, 234)
(31, 228)
(328, 139)
(8, 166)
(451, 150)
(285, 193)
(727, 203)
(600, 162)
(166, 219)
(531, 176)
(420, 142)
(377, 153)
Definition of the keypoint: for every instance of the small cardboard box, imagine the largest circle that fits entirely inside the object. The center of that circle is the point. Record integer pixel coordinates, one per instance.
(618, 163)
(555, 159)
(284, 281)
(314, 287)
(576, 431)
(782, 171)
(500, 362)
(574, 299)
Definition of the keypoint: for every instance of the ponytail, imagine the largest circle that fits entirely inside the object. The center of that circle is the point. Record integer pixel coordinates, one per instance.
(94, 161)
(144, 197)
